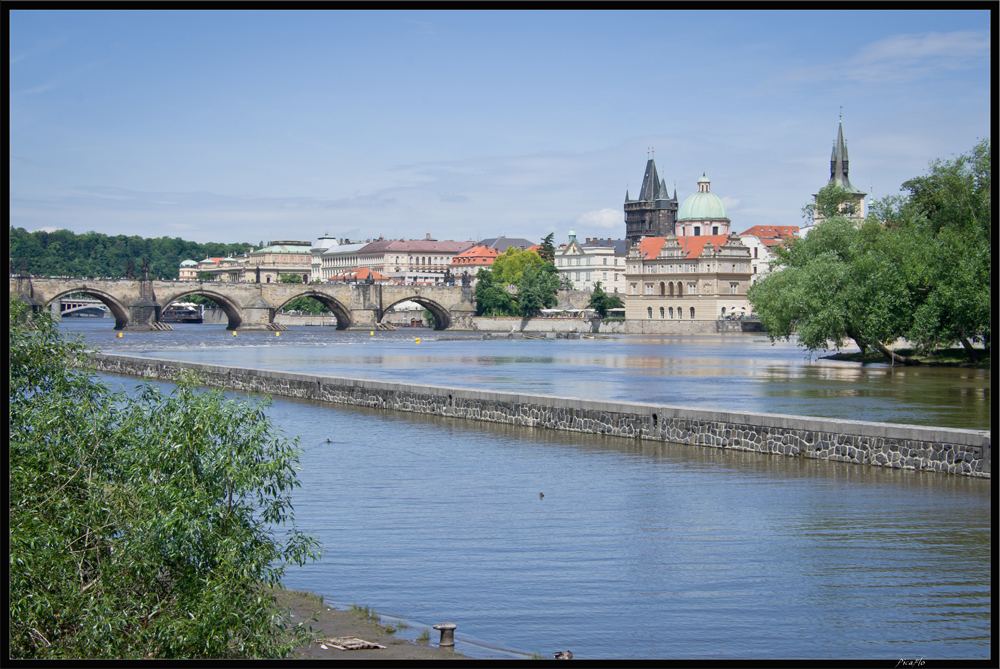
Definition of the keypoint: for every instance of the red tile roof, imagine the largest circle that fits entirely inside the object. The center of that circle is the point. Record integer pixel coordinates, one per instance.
(480, 255)
(692, 246)
(360, 274)
(772, 231)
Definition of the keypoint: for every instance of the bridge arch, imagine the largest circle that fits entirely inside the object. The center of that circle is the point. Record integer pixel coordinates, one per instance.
(442, 317)
(340, 312)
(118, 310)
(231, 309)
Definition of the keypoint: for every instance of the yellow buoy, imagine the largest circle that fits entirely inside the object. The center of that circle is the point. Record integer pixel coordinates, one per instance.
(234, 333)
(418, 340)
(277, 334)
(373, 333)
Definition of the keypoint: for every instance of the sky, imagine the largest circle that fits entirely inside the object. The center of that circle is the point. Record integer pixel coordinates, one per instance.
(249, 126)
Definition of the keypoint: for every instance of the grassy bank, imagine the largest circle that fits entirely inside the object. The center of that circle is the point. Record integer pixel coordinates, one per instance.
(360, 622)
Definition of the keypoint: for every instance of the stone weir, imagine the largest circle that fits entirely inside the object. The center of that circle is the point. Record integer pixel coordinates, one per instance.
(945, 450)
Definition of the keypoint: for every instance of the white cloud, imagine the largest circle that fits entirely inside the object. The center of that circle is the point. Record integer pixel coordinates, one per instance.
(602, 218)
(730, 202)
(900, 58)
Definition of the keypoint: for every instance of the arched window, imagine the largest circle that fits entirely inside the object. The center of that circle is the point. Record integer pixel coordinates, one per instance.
(692, 313)
(649, 311)
(671, 312)
(663, 291)
(661, 313)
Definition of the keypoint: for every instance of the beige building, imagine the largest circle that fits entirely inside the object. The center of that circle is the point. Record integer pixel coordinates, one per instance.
(273, 260)
(414, 261)
(585, 263)
(686, 279)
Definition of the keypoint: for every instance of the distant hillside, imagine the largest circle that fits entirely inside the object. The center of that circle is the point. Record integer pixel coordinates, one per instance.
(92, 254)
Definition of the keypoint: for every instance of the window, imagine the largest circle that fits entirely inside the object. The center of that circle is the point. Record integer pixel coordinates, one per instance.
(661, 313)
(671, 312)
(715, 229)
(692, 313)
(692, 289)
(733, 288)
(649, 289)
(649, 311)
(633, 289)
(755, 252)
(605, 261)
(697, 231)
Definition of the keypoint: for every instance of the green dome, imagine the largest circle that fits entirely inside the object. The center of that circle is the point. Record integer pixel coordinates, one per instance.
(703, 205)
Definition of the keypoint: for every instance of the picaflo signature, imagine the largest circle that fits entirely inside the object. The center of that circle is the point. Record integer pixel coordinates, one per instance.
(919, 662)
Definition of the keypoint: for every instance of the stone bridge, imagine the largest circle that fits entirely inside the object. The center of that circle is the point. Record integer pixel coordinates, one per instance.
(138, 304)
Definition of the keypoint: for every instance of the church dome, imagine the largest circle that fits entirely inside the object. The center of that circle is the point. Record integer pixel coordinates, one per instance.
(703, 205)
(188, 263)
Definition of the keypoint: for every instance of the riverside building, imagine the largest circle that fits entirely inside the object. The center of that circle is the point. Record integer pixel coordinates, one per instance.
(585, 263)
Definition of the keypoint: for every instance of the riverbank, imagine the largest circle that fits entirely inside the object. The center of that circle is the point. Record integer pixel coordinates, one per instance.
(330, 622)
(952, 357)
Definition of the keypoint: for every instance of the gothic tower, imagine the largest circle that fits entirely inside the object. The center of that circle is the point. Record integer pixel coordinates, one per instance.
(654, 213)
(839, 167)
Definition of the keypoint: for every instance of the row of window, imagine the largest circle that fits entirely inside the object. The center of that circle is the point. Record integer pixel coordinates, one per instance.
(672, 289)
(669, 312)
(576, 261)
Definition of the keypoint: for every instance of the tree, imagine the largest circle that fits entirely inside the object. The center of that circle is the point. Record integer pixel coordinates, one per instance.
(508, 266)
(601, 301)
(537, 289)
(951, 208)
(918, 267)
(547, 249)
(290, 278)
(831, 201)
(429, 319)
(141, 526)
(492, 298)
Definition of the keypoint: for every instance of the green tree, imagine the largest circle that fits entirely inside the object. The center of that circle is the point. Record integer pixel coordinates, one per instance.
(918, 267)
(547, 249)
(951, 208)
(492, 298)
(601, 301)
(831, 201)
(141, 526)
(290, 278)
(508, 266)
(537, 288)
(429, 319)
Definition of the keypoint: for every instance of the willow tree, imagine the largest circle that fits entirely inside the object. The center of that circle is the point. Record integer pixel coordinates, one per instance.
(146, 525)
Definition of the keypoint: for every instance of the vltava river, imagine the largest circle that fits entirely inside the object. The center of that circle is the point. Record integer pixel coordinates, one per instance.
(637, 550)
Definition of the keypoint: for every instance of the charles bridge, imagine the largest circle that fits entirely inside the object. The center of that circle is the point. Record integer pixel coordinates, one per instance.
(137, 304)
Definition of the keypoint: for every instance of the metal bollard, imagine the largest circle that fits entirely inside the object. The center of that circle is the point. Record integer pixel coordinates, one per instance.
(447, 633)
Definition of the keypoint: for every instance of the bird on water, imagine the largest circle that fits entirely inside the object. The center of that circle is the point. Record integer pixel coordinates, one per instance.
(541, 495)
(563, 655)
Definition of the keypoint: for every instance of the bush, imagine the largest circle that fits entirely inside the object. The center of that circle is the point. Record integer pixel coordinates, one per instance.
(142, 526)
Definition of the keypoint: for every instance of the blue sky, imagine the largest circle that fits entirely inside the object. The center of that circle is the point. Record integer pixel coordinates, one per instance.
(246, 126)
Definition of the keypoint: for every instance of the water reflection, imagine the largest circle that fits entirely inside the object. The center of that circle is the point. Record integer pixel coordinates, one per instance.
(732, 372)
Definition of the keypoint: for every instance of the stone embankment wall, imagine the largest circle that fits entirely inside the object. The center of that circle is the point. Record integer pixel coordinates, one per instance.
(516, 324)
(946, 450)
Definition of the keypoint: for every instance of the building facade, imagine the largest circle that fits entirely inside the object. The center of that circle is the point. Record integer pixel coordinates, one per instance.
(693, 278)
(763, 240)
(583, 264)
(654, 212)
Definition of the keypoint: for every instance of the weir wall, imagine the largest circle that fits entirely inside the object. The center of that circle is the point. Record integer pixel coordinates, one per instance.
(944, 450)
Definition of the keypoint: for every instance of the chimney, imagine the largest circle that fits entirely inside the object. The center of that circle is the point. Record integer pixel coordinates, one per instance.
(427, 237)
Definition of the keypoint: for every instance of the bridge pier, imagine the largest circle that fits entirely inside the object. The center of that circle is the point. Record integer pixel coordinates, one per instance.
(143, 315)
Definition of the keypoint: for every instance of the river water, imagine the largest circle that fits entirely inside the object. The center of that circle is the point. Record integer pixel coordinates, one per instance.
(637, 550)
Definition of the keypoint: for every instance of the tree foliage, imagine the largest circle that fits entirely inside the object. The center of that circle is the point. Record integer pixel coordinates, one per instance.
(141, 526)
(62, 252)
(600, 301)
(918, 267)
(508, 266)
(538, 288)
(547, 249)
(492, 297)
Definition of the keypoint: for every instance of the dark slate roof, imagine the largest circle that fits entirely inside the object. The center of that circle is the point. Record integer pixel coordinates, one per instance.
(502, 243)
(620, 245)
